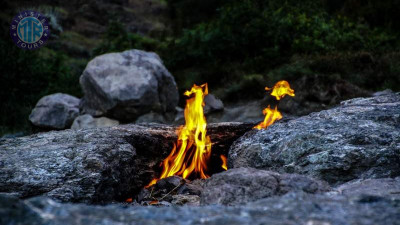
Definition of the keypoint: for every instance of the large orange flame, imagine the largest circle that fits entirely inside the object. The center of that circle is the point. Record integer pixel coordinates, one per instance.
(193, 148)
(279, 90)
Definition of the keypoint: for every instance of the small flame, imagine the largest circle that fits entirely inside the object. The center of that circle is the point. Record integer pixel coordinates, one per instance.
(224, 166)
(271, 115)
(154, 202)
(279, 90)
(193, 149)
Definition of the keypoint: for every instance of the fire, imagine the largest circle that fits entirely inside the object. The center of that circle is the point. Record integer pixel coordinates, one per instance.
(271, 115)
(224, 165)
(279, 90)
(193, 148)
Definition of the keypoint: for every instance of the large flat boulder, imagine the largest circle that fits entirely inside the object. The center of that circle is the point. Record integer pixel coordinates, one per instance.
(359, 139)
(290, 209)
(94, 165)
(126, 85)
(55, 112)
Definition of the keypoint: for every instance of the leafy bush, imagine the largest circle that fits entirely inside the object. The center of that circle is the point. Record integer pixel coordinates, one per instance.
(256, 36)
(26, 76)
(369, 71)
(249, 87)
(117, 39)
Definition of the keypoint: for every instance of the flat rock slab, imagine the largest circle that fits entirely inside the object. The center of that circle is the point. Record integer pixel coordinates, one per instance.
(384, 187)
(359, 139)
(290, 209)
(243, 185)
(94, 165)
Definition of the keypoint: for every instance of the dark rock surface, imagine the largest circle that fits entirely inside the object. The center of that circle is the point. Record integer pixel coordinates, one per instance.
(290, 209)
(55, 112)
(243, 185)
(128, 84)
(172, 190)
(358, 139)
(94, 165)
(384, 187)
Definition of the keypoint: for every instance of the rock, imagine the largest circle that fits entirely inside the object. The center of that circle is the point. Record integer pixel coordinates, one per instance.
(192, 188)
(126, 85)
(88, 165)
(212, 104)
(151, 117)
(359, 139)
(242, 185)
(170, 183)
(87, 121)
(193, 200)
(384, 92)
(291, 209)
(250, 111)
(174, 190)
(14, 135)
(94, 165)
(56, 111)
(384, 187)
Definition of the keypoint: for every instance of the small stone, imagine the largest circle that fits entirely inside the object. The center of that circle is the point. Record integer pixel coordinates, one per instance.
(212, 104)
(190, 188)
(56, 111)
(87, 121)
(170, 183)
(151, 117)
(192, 200)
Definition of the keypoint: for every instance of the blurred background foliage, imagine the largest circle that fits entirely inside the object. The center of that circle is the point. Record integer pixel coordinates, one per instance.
(237, 46)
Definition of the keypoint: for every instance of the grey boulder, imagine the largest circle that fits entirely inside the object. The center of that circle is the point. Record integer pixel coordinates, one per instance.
(88, 121)
(126, 85)
(243, 185)
(250, 111)
(151, 117)
(56, 111)
(212, 104)
(359, 139)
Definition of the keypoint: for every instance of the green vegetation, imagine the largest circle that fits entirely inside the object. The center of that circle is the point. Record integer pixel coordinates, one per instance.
(26, 76)
(117, 39)
(262, 37)
(237, 46)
